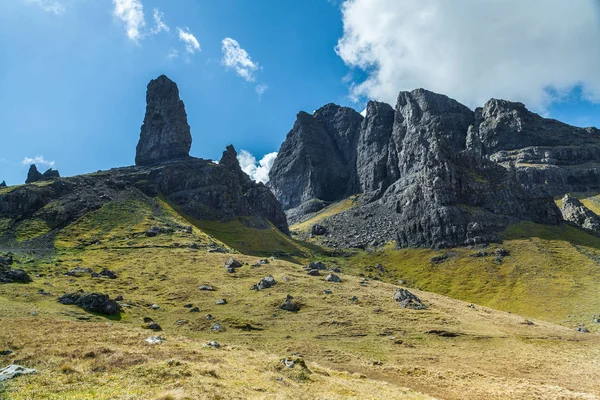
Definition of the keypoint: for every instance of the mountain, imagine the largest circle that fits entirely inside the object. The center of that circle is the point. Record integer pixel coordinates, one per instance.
(431, 172)
(31, 215)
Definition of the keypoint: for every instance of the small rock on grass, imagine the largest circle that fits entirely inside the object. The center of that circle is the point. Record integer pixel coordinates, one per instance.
(155, 339)
(213, 344)
(221, 302)
(333, 278)
(13, 370)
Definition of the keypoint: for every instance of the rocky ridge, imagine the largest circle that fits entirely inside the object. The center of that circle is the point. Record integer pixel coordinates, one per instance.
(431, 172)
(199, 188)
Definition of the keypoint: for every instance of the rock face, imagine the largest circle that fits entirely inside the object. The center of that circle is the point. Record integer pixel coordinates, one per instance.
(574, 211)
(432, 173)
(317, 159)
(35, 176)
(165, 134)
(2, 184)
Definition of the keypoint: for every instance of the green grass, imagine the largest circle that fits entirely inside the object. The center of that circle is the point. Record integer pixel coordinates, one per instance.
(30, 229)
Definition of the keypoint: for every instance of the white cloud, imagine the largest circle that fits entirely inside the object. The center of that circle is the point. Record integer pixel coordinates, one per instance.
(159, 25)
(39, 160)
(261, 89)
(257, 171)
(131, 12)
(530, 51)
(173, 54)
(51, 6)
(237, 58)
(191, 43)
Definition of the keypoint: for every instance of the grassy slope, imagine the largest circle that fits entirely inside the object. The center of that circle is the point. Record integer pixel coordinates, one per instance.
(370, 348)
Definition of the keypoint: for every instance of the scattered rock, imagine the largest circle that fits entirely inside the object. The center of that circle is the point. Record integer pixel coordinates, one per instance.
(439, 259)
(314, 272)
(353, 299)
(502, 253)
(6, 352)
(155, 339)
(78, 272)
(293, 362)
(43, 292)
(181, 322)
(221, 302)
(107, 273)
(290, 305)
(582, 329)
(206, 288)
(408, 300)
(217, 328)
(318, 230)
(13, 371)
(232, 263)
(213, 344)
(327, 291)
(208, 317)
(9, 275)
(260, 262)
(152, 326)
(443, 333)
(190, 305)
(333, 278)
(155, 306)
(6, 260)
(265, 283)
(93, 302)
(528, 322)
(317, 265)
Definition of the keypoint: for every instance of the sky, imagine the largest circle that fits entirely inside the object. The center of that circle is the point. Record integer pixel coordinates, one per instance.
(73, 73)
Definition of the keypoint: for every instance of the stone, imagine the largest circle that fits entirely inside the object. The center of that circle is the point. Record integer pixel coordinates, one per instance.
(408, 300)
(9, 275)
(289, 304)
(317, 265)
(582, 329)
(13, 371)
(6, 352)
(232, 263)
(333, 278)
(155, 340)
(217, 327)
(50, 174)
(3, 184)
(318, 230)
(194, 310)
(207, 288)
(574, 211)
(260, 262)
(152, 326)
(165, 134)
(78, 272)
(502, 253)
(265, 283)
(314, 272)
(108, 274)
(213, 344)
(221, 302)
(6, 259)
(93, 302)
(155, 306)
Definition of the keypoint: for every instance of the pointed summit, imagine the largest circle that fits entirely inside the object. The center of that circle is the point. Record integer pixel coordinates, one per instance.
(165, 134)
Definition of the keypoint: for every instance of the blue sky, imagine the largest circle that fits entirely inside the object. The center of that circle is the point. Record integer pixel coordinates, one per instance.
(73, 73)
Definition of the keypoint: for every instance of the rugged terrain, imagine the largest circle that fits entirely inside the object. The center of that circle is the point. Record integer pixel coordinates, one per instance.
(431, 172)
(179, 278)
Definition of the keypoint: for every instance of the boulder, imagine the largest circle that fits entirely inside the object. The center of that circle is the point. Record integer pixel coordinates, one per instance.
(93, 302)
(232, 263)
(318, 230)
(13, 371)
(290, 305)
(265, 283)
(9, 275)
(408, 300)
(333, 278)
(165, 133)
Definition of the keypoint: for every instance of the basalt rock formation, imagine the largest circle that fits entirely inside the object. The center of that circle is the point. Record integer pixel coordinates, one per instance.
(575, 212)
(165, 134)
(198, 188)
(2, 184)
(35, 176)
(431, 172)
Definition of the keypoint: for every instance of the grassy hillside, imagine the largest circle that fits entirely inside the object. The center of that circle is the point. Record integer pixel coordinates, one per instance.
(354, 338)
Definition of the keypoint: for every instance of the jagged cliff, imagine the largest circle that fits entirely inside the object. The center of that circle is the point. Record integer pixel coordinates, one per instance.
(200, 188)
(432, 172)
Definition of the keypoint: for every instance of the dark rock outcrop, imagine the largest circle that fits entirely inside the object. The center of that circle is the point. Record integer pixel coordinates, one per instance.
(9, 275)
(3, 184)
(317, 159)
(165, 134)
(433, 173)
(93, 302)
(408, 300)
(33, 175)
(574, 211)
